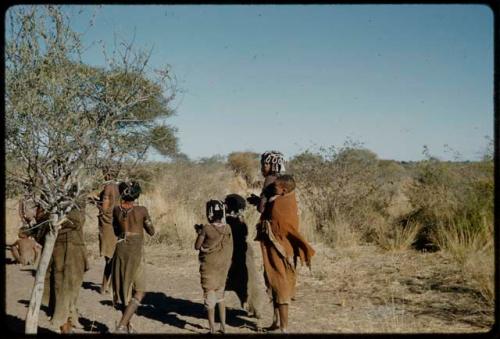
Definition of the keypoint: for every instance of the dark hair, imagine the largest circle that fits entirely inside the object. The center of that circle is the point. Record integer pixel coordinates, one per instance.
(286, 181)
(215, 210)
(129, 191)
(234, 203)
(275, 160)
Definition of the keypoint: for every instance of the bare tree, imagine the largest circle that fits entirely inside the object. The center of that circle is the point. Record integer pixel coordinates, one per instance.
(65, 118)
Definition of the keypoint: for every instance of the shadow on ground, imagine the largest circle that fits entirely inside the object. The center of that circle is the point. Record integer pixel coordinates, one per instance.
(160, 307)
(9, 261)
(88, 285)
(16, 325)
(27, 303)
(93, 326)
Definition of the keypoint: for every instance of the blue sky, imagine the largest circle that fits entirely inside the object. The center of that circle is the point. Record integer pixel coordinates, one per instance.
(395, 77)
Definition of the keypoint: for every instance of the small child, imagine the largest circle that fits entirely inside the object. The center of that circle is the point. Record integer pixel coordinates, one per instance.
(26, 250)
(281, 244)
(215, 245)
(242, 277)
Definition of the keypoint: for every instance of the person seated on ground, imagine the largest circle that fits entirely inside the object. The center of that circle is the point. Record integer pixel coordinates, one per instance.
(242, 276)
(33, 218)
(215, 245)
(128, 275)
(26, 251)
(281, 245)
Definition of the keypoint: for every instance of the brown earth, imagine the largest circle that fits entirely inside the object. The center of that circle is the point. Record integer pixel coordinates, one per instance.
(358, 290)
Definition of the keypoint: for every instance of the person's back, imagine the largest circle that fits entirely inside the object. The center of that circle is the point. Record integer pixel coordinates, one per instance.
(67, 267)
(128, 265)
(130, 220)
(108, 199)
(26, 250)
(214, 232)
(215, 245)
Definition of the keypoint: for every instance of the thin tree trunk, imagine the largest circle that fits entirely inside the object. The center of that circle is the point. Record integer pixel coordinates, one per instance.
(31, 325)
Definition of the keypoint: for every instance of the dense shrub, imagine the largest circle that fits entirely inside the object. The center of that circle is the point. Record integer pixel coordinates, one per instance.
(341, 189)
(450, 194)
(245, 164)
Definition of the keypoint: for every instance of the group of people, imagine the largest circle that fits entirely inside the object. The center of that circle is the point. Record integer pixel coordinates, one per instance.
(281, 243)
(226, 260)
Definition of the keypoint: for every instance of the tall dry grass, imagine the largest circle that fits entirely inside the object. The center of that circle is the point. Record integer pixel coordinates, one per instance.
(473, 252)
(177, 194)
(394, 237)
(454, 202)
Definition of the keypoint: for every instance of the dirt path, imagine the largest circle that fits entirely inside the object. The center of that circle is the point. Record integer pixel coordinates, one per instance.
(358, 290)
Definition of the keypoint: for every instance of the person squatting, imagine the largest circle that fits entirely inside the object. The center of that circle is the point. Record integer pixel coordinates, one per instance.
(226, 260)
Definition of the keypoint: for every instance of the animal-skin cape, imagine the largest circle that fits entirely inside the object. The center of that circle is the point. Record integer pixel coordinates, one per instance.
(216, 260)
(281, 246)
(128, 269)
(67, 266)
(107, 237)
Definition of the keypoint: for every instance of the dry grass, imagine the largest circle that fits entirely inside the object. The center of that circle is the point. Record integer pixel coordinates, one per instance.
(341, 214)
(473, 252)
(394, 237)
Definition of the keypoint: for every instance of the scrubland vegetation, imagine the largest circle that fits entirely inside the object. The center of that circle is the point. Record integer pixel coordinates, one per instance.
(347, 197)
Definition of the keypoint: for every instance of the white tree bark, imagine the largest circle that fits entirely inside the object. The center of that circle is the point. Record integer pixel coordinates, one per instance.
(31, 325)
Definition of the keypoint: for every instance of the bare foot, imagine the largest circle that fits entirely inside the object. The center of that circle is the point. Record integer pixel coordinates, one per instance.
(66, 328)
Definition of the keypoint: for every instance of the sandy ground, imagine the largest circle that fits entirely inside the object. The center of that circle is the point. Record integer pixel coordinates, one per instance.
(356, 290)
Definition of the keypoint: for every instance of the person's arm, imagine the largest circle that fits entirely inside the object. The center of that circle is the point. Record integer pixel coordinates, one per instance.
(15, 251)
(115, 221)
(262, 203)
(37, 248)
(200, 238)
(148, 224)
(267, 191)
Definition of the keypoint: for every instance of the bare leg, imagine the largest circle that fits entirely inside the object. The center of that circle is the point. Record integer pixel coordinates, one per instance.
(211, 319)
(38, 253)
(275, 325)
(15, 253)
(130, 310)
(222, 316)
(283, 313)
(106, 275)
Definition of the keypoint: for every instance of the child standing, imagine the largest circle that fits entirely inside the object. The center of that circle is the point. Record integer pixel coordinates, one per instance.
(215, 245)
(242, 276)
(281, 244)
